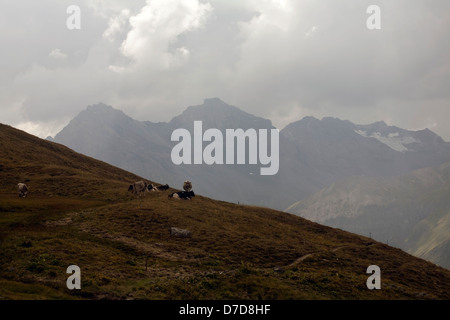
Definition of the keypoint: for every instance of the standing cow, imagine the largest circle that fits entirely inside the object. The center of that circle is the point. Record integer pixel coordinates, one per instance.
(138, 187)
(23, 190)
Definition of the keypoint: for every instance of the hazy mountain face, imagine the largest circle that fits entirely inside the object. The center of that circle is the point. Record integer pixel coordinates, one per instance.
(411, 211)
(340, 148)
(108, 134)
(313, 153)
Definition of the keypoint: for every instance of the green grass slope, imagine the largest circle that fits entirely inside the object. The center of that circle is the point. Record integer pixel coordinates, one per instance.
(79, 212)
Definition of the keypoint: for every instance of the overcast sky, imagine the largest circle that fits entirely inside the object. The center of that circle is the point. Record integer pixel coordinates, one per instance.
(278, 59)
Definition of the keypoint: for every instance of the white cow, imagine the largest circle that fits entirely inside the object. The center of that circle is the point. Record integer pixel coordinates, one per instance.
(23, 190)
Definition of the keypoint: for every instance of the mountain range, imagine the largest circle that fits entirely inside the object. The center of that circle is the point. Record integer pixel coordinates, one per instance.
(313, 153)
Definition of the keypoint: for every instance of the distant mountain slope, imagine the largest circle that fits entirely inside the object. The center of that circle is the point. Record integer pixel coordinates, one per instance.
(313, 153)
(51, 169)
(79, 212)
(411, 212)
(333, 149)
(109, 135)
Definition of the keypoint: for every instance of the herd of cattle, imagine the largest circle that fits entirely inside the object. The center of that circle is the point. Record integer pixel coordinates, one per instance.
(142, 186)
(137, 188)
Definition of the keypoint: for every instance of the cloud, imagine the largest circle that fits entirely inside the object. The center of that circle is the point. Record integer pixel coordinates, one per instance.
(345, 69)
(280, 59)
(157, 27)
(311, 32)
(43, 129)
(58, 54)
(116, 25)
(107, 9)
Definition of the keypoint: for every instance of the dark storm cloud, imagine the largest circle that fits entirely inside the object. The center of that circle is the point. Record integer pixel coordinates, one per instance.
(278, 59)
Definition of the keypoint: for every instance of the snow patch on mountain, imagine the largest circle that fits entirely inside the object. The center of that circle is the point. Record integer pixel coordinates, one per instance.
(393, 140)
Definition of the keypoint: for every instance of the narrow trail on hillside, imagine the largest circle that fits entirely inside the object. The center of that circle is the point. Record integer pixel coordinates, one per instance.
(293, 264)
(308, 255)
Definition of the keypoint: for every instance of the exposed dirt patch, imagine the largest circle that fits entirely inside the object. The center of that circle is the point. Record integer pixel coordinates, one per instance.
(62, 222)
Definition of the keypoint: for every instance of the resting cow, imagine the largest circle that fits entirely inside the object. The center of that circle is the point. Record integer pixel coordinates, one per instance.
(23, 190)
(158, 188)
(176, 232)
(138, 187)
(182, 195)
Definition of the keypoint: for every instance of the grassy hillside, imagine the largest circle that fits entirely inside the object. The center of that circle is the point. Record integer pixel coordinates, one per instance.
(79, 212)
